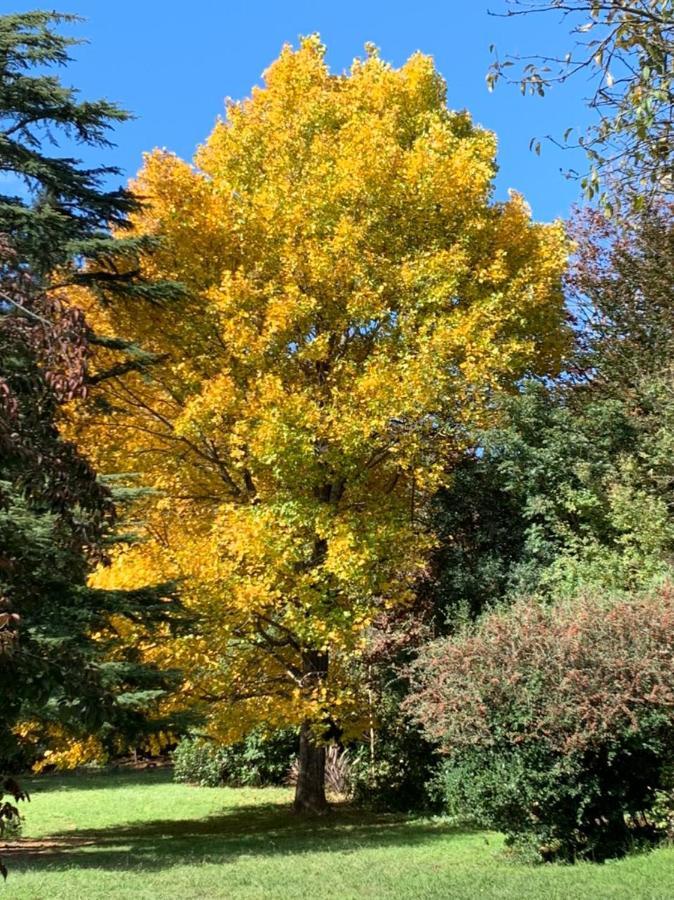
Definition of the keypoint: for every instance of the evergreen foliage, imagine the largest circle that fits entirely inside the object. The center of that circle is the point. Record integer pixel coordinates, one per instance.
(64, 664)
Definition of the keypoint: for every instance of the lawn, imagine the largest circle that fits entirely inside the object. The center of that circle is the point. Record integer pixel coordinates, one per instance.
(138, 835)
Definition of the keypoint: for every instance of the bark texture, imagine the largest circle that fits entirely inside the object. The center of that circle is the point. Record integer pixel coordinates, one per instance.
(310, 788)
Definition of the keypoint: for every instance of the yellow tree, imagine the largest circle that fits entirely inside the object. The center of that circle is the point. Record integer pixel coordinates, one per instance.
(355, 301)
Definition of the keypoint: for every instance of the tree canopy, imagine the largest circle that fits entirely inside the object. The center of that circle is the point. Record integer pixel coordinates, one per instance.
(623, 48)
(355, 301)
(62, 662)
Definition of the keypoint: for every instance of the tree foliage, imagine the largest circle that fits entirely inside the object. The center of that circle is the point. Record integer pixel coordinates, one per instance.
(67, 666)
(34, 108)
(568, 491)
(574, 484)
(624, 49)
(621, 284)
(355, 300)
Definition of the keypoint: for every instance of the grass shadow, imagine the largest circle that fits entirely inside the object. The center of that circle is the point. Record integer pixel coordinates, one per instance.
(96, 779)
(250, 831)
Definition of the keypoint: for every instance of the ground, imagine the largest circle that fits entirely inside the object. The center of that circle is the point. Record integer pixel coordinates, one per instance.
(138, 835)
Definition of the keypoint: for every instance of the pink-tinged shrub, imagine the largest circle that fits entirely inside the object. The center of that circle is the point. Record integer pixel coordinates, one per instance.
(557, 721)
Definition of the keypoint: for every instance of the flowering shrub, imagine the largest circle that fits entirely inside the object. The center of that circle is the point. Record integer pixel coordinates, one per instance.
(557, 721)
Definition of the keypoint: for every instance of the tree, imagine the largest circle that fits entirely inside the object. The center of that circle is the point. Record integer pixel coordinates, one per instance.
(624, 48)
(72, 209)
(621, 283)
(575, 482)
(355, 300)
(58, 223)
(587, 485)
(68, 665)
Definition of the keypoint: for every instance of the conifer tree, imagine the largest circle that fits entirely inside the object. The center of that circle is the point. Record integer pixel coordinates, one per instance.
(62, 661)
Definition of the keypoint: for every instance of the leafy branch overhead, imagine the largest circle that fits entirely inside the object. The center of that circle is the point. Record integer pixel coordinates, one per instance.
(623, 50)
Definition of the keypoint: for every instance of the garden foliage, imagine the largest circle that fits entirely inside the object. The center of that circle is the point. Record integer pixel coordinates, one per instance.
(557, 721)
(257, 760)
(69, 667)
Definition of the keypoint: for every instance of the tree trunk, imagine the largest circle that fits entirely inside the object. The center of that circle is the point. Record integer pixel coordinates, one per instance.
(310, 788)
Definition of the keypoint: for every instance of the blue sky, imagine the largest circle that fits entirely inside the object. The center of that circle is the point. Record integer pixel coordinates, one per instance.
(173, 63)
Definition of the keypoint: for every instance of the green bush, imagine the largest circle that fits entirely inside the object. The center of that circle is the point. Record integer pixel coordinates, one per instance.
(661, 813)
(201, 762)
(553, 806)
(258, 760)
(394, 773)
(557, 722)
(396, 780)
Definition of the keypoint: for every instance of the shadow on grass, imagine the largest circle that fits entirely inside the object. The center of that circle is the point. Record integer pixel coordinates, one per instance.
(96, 780)
(245, 831)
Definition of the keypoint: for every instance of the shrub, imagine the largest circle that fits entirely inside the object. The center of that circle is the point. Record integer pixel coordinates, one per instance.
(399, 775)
(200, 762)
(661, 814)
(557, 721)
(260, 759)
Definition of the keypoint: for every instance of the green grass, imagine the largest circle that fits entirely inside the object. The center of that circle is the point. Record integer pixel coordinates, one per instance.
(137, 835)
